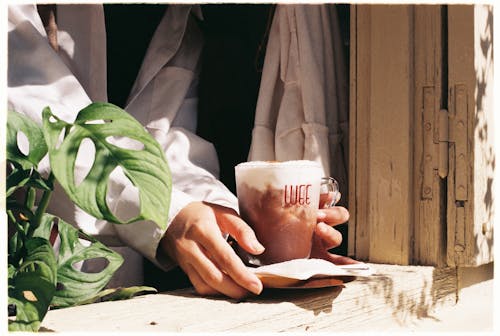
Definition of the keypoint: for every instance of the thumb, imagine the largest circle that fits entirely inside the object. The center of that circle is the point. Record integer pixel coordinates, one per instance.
(231, 223)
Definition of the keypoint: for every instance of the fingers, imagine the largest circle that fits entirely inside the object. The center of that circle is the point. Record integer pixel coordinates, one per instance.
(231, 223)
(333, 216)
(325, 238)
(329, 237)
(326, 199)
(208, 279)
(194, 240)
(222, 257)
(198, 283)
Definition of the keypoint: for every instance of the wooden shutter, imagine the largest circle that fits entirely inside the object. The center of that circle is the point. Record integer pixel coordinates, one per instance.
(422, 155)
(472, 151)
(381, 100)
(429, 128)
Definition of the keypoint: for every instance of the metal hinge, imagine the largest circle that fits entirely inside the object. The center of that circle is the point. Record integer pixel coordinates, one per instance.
(428, 129)
(442, 130)
(459, 135)
(431, 140)
(443, 140)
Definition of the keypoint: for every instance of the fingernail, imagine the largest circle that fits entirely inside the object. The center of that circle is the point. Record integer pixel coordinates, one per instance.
(257, 247)
(256, 287)
(321, 214)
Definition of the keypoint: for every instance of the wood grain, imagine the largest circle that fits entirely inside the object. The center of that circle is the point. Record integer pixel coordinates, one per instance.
(396, 295)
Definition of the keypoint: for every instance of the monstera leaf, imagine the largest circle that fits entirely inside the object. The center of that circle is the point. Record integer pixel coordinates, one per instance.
(74, 286)
(146, 169)
(19, 177)
(38, 276)
(120, 293)
(22, 170)
(32, 285)
(18, 123)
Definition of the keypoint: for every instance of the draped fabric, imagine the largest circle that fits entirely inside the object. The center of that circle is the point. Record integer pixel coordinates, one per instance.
(163, 97)
(302, 110)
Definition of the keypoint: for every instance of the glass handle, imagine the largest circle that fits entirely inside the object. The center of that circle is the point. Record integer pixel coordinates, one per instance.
(329, 192)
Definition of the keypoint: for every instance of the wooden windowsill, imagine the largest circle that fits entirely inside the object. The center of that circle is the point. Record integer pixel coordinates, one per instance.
(395, 296)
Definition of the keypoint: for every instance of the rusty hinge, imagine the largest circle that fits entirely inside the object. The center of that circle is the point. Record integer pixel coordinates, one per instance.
(440, 128)
(435, 141)
(429, 153)
(458, 134)
(443, 139)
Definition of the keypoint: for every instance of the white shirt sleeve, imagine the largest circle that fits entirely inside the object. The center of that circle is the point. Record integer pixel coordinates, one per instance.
(191, 183)
(164, 101)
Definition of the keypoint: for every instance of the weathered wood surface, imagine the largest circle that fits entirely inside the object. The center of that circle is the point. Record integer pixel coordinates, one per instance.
(474, 149)
(381, 115)
(395, 296)
(429, 190)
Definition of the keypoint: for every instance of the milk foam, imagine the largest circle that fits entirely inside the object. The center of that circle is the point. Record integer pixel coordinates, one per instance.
(262, 174)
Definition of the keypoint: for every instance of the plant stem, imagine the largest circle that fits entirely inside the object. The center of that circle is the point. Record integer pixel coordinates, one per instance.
(20, 227)
(11, 216)
(30, 198)
(42, 206)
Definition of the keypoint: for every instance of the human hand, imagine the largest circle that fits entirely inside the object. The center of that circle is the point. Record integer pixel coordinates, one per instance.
(195, 241)
(326, 237)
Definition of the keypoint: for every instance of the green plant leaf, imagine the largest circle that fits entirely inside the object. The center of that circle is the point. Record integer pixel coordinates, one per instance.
(98, 296)
(46, 222)
(16, 123)
(17, 179)
(73, 285)
(16, 248)
(147, 168)
(37, 181)
(128, 293)
(121, 293)
(11, 271)
(33, 285)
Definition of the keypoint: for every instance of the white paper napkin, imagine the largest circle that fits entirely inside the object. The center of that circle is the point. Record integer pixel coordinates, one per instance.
(303, 269)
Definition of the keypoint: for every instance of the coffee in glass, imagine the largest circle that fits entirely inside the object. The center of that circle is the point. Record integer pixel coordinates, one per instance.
(279, 200)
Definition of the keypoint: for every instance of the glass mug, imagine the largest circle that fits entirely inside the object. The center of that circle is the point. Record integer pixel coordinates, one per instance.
(280, 200)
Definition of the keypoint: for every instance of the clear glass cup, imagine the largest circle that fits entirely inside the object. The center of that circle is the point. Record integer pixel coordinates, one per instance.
(279, 201)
